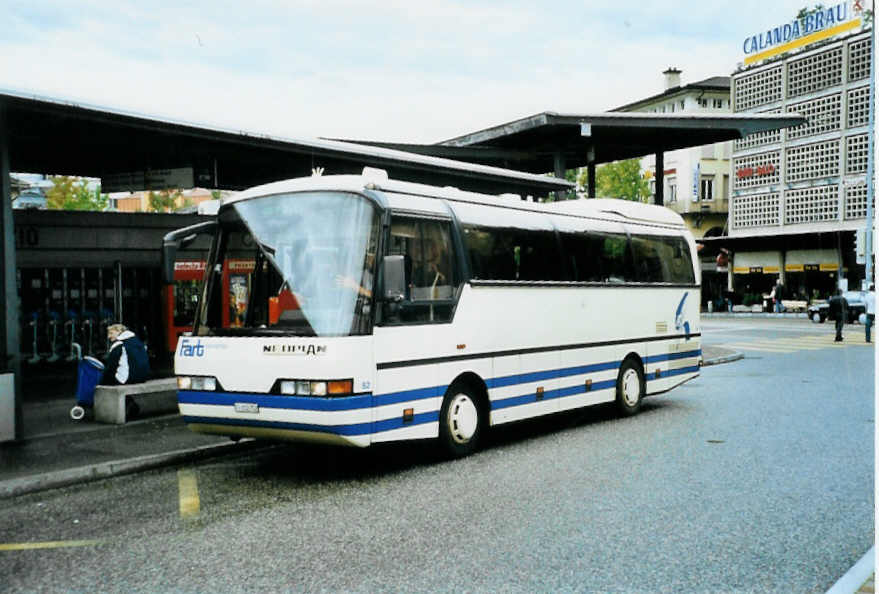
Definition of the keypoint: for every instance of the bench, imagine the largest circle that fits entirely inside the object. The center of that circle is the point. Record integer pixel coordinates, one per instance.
(794, 306)
(152, 397)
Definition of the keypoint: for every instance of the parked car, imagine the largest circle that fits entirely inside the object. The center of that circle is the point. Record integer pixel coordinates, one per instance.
(819, 312)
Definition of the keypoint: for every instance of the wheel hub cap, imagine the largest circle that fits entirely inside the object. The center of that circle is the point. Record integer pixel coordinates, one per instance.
(463, 418)
(631, 387)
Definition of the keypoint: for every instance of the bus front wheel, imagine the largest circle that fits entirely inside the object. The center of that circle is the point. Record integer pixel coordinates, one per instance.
(461, 422)
(630, 387)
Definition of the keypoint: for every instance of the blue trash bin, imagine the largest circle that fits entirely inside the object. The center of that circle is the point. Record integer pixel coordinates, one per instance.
(88, 376)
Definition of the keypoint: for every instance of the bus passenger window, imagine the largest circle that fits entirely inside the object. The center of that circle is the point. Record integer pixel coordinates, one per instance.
(430, 272)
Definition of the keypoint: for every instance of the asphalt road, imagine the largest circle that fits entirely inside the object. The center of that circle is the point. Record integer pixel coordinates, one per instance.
(756, 477)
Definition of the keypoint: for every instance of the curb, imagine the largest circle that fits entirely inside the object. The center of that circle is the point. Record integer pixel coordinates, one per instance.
(84, 474)
(856, 576)
(725, 359)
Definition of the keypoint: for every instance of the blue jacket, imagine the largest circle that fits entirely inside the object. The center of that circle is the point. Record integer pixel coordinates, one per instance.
(127, 362)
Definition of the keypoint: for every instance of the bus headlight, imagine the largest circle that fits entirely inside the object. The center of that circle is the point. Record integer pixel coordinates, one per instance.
(205, 384)
(289, 387)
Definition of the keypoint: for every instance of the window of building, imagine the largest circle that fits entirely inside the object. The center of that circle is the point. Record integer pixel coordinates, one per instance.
(671, 194)
(682, 105)
(706, 189)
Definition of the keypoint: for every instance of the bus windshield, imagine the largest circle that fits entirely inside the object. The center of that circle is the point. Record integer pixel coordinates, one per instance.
(300, 263)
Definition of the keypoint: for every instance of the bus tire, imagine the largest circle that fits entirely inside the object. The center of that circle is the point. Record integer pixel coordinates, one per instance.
(630, 387)
(461, 422)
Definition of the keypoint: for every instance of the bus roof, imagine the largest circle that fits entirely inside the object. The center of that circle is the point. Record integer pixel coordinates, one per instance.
(399, 192)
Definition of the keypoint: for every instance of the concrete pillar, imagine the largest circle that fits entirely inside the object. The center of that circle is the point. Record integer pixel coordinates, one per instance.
(591, 181)
(560, 170)
(659, 198)
(10, 354)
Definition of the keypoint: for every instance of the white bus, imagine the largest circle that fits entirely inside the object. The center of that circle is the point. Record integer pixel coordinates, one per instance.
(356, 309)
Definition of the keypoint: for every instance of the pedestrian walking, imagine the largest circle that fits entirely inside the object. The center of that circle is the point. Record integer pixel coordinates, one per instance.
(838, 310)
(870, 301)
(777, 295)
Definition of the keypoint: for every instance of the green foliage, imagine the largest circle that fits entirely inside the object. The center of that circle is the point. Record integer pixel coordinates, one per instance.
(72, 193)
(620, 179)
(163, 200)
(805, 11)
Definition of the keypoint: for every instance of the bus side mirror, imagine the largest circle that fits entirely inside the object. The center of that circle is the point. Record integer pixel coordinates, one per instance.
(179, 239)
(394, 278)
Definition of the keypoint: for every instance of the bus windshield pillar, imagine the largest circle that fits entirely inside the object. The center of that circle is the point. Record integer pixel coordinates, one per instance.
(659, 197)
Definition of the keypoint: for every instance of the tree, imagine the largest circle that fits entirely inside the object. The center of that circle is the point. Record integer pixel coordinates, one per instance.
(72, 193)
(164, 200)
(620, 179)
(805, 11)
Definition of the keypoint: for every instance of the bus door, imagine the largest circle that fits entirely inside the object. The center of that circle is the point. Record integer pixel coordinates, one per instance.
(181, 299)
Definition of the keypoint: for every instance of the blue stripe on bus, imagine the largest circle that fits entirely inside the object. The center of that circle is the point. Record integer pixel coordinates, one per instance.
(365, 401)
(409, 395)
(673, 356)
(551, 394)
(673, 372)
(346, 430)
(524, 378)
(531, 397)
(271, 401)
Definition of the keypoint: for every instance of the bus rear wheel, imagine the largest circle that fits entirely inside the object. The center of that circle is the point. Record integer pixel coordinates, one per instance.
(630, 387)
(461, 422)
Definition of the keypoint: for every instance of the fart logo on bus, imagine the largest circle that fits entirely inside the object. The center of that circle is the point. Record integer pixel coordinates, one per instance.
(190, 348)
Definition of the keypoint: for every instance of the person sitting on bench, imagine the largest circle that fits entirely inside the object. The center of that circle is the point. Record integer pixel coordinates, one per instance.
(126, 362)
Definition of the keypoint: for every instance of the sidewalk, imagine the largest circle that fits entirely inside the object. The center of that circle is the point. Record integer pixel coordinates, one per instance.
(56, 451)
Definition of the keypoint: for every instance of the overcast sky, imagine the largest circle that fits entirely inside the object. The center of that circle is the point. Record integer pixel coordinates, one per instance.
(392, 70)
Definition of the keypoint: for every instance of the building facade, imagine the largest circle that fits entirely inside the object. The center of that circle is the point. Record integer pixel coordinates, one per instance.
(799, 196)
(696, 180)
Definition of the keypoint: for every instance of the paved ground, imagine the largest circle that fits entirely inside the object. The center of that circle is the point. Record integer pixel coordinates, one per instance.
(56, 451)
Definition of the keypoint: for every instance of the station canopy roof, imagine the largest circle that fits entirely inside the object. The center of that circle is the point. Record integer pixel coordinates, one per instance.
(53, 136)
(531, 143)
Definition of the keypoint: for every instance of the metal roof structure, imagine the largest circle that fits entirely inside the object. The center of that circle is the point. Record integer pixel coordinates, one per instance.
(53, 136)
(539, 142)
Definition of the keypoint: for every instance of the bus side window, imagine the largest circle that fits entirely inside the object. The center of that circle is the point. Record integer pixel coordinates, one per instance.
(431, 277)
(615, 259)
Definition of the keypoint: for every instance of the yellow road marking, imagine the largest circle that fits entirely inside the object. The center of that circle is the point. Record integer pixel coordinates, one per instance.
(187, 484)
(55, 544)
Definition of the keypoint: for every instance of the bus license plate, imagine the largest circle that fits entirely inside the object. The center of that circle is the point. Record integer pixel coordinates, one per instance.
(246, 407)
